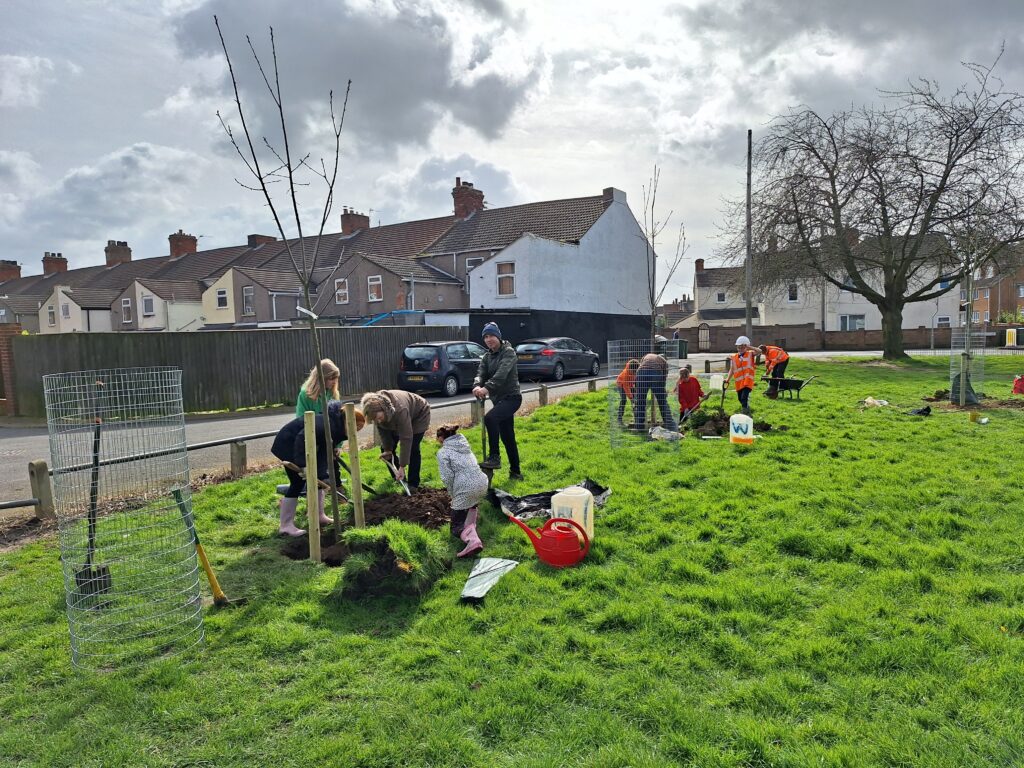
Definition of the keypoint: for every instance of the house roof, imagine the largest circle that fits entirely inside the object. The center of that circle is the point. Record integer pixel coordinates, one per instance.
(494, 228)
(93, 298)
(415, 268)
(23, 305)
(199, 265)
(719, 277)
(275, 281)
(175, 290)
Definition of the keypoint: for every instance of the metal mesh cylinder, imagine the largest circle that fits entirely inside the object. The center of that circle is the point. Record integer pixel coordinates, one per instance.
(967, 365)
(124, 510)
(628, 419)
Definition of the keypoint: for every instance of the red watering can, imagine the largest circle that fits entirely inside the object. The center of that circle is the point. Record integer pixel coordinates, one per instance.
(558, 544)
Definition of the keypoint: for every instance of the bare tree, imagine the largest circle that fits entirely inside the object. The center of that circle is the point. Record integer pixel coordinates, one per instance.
(270, 162)
(652, 227)
(898, 203)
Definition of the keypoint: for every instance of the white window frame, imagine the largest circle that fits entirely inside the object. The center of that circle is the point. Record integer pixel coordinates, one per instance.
(371, 282)
(126, 310)
(851, 320)
(222, 295)
(341, 288)
(977, 294)
(986, 316)
(152, 305)
(792, 293)
(721, 297)
(499, 276)
(976, 316)
(65, 310)
(963, 294)
(472, 262)
(51, 315)
(3, 314)
(943, 321)
(248, 292)
(1020, 291)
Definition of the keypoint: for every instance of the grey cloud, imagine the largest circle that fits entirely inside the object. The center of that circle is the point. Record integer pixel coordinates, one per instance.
(400, 67)
(23, 79)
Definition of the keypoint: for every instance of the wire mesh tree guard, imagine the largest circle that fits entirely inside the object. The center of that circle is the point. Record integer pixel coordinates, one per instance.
(124, 513)
(967, 365)
(629, 419)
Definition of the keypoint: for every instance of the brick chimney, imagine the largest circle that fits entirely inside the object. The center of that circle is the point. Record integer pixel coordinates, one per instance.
(54, 263)
(182, 244)
(467, 199)
(9, 270)
(611, 195)
(698, 265)
(255, 240)
(352, 222)
(117, 252)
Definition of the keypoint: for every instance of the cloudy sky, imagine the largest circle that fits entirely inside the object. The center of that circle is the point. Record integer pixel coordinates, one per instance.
(108, 126)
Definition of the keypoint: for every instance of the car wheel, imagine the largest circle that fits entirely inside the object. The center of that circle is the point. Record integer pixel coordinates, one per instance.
(559, 372)
(451, 386)
(595, 368)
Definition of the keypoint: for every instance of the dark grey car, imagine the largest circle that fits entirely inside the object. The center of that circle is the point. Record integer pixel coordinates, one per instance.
(439, 366)
(556, 357)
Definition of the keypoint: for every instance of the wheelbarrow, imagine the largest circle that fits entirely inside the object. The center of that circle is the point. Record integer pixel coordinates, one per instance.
(788, 386)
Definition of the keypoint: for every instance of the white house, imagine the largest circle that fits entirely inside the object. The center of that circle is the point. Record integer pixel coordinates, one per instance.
(83, 310)
(158, 305)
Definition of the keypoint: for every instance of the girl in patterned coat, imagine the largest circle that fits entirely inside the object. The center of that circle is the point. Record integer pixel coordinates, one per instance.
(466, 484)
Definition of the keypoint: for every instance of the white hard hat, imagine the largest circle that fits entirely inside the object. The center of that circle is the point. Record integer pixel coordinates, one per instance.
(742, 340)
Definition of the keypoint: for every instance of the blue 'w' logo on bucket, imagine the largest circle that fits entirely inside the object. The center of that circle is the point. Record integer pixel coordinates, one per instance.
(739, 429)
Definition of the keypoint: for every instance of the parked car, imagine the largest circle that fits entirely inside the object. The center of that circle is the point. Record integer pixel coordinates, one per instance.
(556, 357)
(439, 366)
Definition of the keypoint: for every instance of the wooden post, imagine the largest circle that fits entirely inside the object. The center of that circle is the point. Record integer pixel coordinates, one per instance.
(238, 459)
(39, 479)
(592, 385)
(312, 489)
(542, 394)
(707, 365)
(353, 462)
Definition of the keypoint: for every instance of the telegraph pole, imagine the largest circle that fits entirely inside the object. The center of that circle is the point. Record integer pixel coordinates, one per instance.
(749, 280)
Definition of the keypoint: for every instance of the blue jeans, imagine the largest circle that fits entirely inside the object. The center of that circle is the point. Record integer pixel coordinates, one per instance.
(651, 381)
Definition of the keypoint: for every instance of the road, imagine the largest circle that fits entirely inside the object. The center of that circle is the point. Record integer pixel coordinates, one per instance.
(20, 444)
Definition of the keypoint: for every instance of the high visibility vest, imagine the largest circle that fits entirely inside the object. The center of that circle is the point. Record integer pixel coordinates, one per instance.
(743, 367)
(773, 356)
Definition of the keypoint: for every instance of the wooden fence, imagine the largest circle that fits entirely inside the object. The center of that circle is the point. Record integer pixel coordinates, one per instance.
(222, 369)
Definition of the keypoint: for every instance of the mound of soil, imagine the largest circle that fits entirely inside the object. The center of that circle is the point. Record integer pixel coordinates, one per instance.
(429, 507)
(939, 396)
(717, 423)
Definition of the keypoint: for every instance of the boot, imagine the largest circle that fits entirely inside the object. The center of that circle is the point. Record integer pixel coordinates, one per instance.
(324, 519)
(492, 462)
(287, 527)
(469, 535)
(458, 522)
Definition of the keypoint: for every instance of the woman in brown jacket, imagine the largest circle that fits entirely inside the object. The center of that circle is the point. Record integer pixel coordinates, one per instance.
(402, 419)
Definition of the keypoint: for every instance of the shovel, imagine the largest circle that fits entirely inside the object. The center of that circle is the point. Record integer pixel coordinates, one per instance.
(690, 411)
(94, 580)
(393, 468)
(220, 600)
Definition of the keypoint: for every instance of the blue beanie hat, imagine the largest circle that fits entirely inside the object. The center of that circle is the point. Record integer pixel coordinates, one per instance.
(492, 330)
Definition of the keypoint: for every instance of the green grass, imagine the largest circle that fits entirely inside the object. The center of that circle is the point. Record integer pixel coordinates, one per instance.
(847, 593)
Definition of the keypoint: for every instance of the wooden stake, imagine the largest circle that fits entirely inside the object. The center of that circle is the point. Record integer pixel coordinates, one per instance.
(353, 460)
(312, 500)
(542, 394)
(39, 480)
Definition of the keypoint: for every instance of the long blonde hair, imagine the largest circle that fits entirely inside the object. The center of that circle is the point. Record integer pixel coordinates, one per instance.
(311, 385)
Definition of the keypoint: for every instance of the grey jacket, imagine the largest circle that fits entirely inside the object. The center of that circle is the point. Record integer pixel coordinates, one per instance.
(499, 372)
(411, 417)
(461, 475)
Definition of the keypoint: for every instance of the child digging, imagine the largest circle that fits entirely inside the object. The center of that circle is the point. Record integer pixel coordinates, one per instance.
(466, 484)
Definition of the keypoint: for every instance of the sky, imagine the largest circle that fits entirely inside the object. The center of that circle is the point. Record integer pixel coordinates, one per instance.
(109, 126)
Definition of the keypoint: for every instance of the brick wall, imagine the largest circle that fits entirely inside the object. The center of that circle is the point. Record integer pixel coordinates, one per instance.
(801, 338)
(7, 331)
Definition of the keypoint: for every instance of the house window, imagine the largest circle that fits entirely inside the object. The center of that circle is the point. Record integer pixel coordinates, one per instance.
(3, 315)
(65, 311)
(374, 288)
(987, 316)
(507, 278)
(473, 261)
(984, 294)
(963, 294)
(51, 316)
(977, 294)
(942, 321)
(943, 284)
(963, 318)
(222, 298)
(1020, 291)
(126, 310)
(720, 297)
(793, 293)
(247, 308)
(975, 316)
(851, 322)
(148, 310)
(341, 291)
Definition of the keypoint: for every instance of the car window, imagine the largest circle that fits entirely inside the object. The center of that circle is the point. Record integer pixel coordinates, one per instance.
(561, 344)
(419, 353)
(475, 350)
(457, 352)
(575, 345)
(531, 346)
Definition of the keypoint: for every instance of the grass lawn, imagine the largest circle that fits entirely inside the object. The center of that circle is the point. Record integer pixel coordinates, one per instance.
(846, 593)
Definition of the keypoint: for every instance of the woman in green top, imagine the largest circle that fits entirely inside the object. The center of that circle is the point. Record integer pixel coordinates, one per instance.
(309, 395)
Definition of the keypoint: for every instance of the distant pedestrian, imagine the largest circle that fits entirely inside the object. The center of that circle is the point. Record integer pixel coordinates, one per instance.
(688, 391)
(497, 378)
(626, 382)
(742, 368)
(402, 419)
(309, 394)
(675, 335)
(651, 377)
(466, 484)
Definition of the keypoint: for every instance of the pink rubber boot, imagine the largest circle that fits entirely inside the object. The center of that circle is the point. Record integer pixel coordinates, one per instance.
(470, 536)
(287, 527)
(324, 519)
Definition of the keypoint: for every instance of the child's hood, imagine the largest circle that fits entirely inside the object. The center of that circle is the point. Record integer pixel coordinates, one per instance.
(457, 443)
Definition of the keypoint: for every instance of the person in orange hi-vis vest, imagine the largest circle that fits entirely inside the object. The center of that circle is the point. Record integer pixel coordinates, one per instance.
(626, 382)
(742, 368)
(775, 361)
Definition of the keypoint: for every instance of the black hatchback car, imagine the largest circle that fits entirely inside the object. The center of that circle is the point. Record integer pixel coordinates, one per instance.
(556, 357)
(439, 366)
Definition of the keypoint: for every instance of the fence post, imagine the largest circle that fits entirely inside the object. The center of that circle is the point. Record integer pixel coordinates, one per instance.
(707, 365)
(238, 459)
(312, 487)
(542, 394)
(39, 480)
(353, 463)
(592, 385)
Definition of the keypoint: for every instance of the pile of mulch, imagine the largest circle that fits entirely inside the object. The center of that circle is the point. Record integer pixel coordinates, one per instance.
(940, 395)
